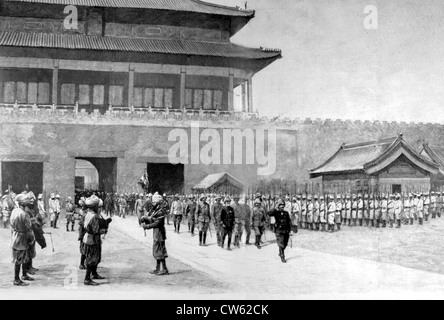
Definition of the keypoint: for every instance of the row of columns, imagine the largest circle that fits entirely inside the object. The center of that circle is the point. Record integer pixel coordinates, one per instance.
(247, 88)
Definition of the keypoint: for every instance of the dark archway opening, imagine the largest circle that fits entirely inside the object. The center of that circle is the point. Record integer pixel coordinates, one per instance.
(21, 176)
(166, 178)
(107, 174)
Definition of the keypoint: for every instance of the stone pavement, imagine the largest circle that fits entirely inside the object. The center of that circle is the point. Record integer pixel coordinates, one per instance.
(253, 273)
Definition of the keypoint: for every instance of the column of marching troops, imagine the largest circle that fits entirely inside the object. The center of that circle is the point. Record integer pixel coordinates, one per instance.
(230, 216)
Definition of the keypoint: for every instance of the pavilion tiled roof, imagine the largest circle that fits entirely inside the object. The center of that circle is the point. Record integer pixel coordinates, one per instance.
(368, 157)
(213, 180)
(180, 47)
(174, 5)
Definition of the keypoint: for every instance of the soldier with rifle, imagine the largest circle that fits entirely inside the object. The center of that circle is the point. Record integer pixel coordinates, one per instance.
(371, 209)
(391, 210)
(354, 210)
(398, 210)
(433, 205)
(426, 206)
(378, 210)
(322, 214)
(331, 213)
(348, 210)
(420, 209)
(304, 212)
(316, 213)
(366, 210)
(339, 209)
(360, 209)
(384, 210)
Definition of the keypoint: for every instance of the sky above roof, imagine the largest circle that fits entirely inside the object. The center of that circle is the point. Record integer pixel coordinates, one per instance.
(333, 67)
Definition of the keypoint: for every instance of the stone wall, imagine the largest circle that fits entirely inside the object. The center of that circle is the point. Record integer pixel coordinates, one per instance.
(135, 138)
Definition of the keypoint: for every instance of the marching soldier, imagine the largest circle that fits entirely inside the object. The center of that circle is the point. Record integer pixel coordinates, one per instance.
(391, 210)
(247, 219)
(339, 209)
(156, 221)
(227, 219)
(322, 214)
(304, 212)
(123, 204)
(259, 221)
(331, 213)
(204, 219)
(216, 210)
(70, 209)
(191, 214)
(316, 219)
(238, 214)
(360, 209)
(310, 208)
(283, 227)
(398, 210)
(177, 213)
(272, 220)
(354, 210)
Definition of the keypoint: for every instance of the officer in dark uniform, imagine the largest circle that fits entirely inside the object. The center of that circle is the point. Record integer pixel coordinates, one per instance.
(227, 222)
(282, 228)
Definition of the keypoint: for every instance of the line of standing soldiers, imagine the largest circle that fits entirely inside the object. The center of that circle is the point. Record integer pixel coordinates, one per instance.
(313, 212)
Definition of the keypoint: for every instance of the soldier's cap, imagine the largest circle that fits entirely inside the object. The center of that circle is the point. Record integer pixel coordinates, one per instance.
(236, 197)
(309, 197)
(316, 197)
(366, 196)
(304, 196)
(93, 201)
(69, 199)
(141, 195)
(52, 195)
(359, 195)
(298, 196)
(40, 196)
(257, 201)
(338, 196)
(347, 196)
(280, 202)
(410, 195)
(227, 199)
(321, 198)
(218, 197)
(398, 195)
(176, 196)
(330, 196)
(354, 196)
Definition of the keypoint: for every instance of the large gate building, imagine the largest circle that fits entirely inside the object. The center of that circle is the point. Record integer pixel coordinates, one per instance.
(108, 86)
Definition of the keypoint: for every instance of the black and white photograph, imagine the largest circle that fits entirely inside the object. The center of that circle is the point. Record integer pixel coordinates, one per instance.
(223, 150)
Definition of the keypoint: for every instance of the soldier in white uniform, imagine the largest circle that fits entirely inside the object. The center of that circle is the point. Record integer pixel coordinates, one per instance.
(433, 205)
(310, 208)
(316, 220)
(366, 210)
(391, 210)
(354, 209)
(360, 209)
(322, 213)
(384, 210)
(398, 210)
(412, 210)
(426, 206)
(420, 209)
(348, 210)
(339, 210)
(295, 212)
(304, 212)
(331, 213)
(378, 211)
(371, 210)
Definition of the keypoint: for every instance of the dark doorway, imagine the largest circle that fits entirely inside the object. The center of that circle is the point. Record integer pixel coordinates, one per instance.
(166, 178)
(396, 188)
(21, 176)
(106, 168)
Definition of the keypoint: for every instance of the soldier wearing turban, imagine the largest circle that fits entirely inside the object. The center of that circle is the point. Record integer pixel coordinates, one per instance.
(22, 238)
(95, 226)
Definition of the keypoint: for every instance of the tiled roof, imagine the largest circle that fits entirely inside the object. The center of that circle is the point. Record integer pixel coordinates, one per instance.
(181, 47)
(213, 180)
(435, 153)
(355, 156)
(370, 156)
(174, 5)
